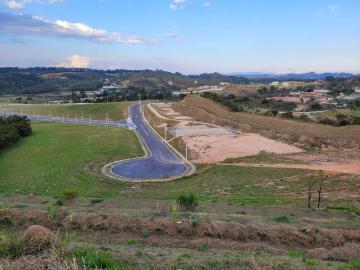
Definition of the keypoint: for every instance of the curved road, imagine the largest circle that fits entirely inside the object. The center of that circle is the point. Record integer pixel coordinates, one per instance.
(160, 164)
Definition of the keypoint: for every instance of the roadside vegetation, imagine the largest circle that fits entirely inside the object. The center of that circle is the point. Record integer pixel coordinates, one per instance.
(12, 129)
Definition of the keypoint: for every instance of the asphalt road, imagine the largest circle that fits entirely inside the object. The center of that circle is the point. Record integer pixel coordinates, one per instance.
(162, 162)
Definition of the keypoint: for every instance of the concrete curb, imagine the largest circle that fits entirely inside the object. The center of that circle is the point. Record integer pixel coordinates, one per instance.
(107, 169)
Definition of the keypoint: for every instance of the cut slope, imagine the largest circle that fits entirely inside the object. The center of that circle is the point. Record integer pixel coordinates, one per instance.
(299, 133)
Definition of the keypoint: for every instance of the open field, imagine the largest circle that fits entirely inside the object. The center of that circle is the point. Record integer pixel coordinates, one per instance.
(116, 111)
(57, 156)
(60, 156)
(299, 133)
(242, 215)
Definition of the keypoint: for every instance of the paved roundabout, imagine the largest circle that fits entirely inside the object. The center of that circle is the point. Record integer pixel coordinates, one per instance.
(160, 163)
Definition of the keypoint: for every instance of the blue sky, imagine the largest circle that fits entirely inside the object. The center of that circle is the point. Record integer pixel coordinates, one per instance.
(189, 36)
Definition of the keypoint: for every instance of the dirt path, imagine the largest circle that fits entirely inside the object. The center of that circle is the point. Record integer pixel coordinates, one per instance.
(333, 167)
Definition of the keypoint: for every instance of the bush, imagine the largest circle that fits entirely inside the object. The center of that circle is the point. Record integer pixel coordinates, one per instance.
(283, 219)
(52, 210)
(146, 233)
(287, 115)
(95, 201)
(12, 129)
(94, 259)
(131, 242)
(187, 201)
(70, 194)
(346, 208)
(11, 246)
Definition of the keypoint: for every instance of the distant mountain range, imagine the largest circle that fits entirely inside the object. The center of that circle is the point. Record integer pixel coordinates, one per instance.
(292, 76)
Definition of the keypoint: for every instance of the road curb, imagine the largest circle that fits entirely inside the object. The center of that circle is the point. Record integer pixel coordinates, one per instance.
(107, 169)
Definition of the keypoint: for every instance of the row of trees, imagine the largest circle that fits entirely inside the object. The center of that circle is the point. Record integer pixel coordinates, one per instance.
(12, 129)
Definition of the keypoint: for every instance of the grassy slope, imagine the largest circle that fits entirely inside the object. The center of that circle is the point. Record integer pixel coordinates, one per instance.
(98, 111)
(59, 156)
(55, 157)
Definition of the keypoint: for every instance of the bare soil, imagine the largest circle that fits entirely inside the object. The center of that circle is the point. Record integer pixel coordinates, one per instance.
(212, 149)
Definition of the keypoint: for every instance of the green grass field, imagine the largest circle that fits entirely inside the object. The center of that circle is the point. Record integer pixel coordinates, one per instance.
(98, 111)
(59, 156)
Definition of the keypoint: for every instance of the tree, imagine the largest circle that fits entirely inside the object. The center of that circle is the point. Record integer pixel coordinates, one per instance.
(323, 176)
(12, 128)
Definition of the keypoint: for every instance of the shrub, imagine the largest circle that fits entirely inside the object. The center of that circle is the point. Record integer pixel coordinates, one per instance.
(11, 246)
(93, 259)
(187, 201)
(52, 210)
(283, 219)
(70, 194)
(294, 254)
(131, 242)
(346, 208)
(354, 264)
(95, 201)
(12, 129)
(145, 233)
(194, 220)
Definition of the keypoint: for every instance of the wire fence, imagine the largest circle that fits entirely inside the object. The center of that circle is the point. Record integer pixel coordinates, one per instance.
(81, 120)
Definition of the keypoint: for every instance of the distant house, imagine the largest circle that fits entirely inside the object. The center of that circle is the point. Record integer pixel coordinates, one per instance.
(224, 84)
(322, 91)
(276, 83)
(357, 90)
(55, 102)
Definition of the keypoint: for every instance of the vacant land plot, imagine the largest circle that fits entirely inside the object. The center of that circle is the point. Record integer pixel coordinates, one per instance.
(62, 156)
(115, 111)
(300, 133)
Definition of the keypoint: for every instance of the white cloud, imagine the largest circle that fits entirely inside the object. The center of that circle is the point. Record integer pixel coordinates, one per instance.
(333, 7)
(35, 25)
(76, 61)
(178, 4)
(18, 4)
(14, 4)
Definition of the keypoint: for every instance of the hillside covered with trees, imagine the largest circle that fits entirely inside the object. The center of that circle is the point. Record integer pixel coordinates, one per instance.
(47, 80)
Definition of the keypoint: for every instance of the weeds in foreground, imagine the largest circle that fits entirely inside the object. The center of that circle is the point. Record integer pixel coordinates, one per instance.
(11, 246)
(52, 210)
(187, 201)
(283, 219)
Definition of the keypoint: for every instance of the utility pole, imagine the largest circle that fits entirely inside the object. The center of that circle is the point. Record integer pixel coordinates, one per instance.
(186, 151)
(90, 118)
